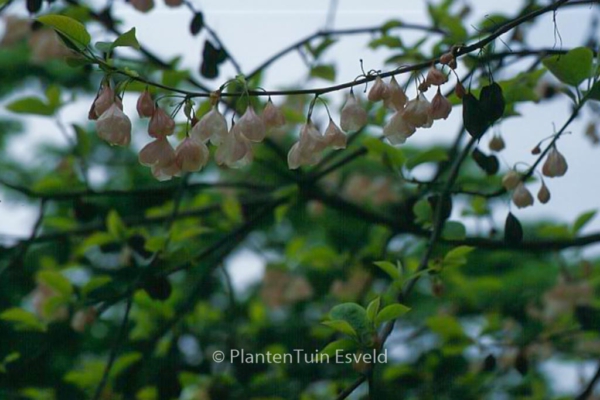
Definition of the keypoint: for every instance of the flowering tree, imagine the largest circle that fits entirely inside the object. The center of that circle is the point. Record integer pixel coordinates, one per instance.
(379, 283)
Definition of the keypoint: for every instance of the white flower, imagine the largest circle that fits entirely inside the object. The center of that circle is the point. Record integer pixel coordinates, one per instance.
(397, 130)
(211, 126)
(334, 136)
(191, 155)
(114, 126)
(522, 196)
(353, 116)
(555, 164)
(235, 150)
(396, 97)
(379, 91)
(251, 126)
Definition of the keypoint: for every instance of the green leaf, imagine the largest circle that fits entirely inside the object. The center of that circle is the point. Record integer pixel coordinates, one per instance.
(355, 316)
(95, 283)
(373, 309)
(123, 362)
(326, 72)
(115, 225)
(582, 220)
(53, 96)
(321, 47)
(594, 93)
(386, 41)
(69, 27)
(23, 320)
(423, 211)
(432, 155)
(454, 230)
(389, 269)
(56, 281)
(127, 39)
(341, 326)
(383, 150)
(571, 68)
(391, 312)
(31, 105)
(105, 47)
(343, 344)
(457, 256)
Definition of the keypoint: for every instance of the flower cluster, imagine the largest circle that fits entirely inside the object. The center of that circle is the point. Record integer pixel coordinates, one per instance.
(554, 166)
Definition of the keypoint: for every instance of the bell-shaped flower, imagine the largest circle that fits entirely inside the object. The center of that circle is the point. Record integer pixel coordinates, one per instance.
(142, 5)
(251, 126)
(416, 112)
(235, 150)
(272, 116)
(522, 196)
(334, 136)
(145, 105)
(511, 179)
(307, 151)
(161, 124)
(166, 172)
(211, 126)
(436, 77)
(114, 126)
(157, 152)
(440, 107)
(397, 130)
(104, 99)
(543, 194)
(555, 164)
(191, 155)
(379, 91)
(396, 99)
(353, 117)
(496, 143)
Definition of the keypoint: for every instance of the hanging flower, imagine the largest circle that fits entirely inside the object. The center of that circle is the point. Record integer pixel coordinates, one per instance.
(555, 164)
(397, 130)
(396, 99)
(353, 116)
(161, 124)
(417, 112)
(191, 155)
(157, 152)
(173, 3)
(251, 126)
(235, 150)
(145, 105)
(307, 151)
(440, 106)
(522, 196)
(543, 194)
(379, 91)
(334, 136)
(104, 99)
(211, 126)
(496, 143)
(436, 77)
(272, 116)
(114, 126)
(511, 179)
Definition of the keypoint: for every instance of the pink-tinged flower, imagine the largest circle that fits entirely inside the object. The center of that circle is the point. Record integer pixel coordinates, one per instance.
(104, 99)
(15, 30)
(440, 107)
(334, 136)
(191, 155)
(436, 77)
(161, 124)
(251, 126)
(522, 196)
(511, 179)
(555, 164)
(353, 116)
(83, 318)
(307, 151)
(397, 130)
(379, 91)
(272, 116)
(496, 143)
(396, 97)
(235, 150)
(142, 5)
(416, 112)
(157, 152)
(173, 3)
(211, 126)
(459, 90)
(114, 126)
(166, 172)
(145, 105)
(543, 194)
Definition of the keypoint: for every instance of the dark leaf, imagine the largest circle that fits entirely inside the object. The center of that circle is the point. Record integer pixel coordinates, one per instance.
(137, 243)
(513, 231)
(211, 58)
(521, 363)
(489, 364)
(197, 23)
(446, 205)
(588, 317)
(33, 6)
(475, 120)
(491, 101)
(158, 288)
(488, 163)
(105, 16)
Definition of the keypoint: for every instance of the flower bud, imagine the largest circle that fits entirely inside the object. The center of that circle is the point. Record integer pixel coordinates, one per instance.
(173, 3)
(251, 126)
(511, 179)
(522, 196)
(353, 116)
(142, 5)
(496, 143)
(334, 136)
(416, 112)
(212, 126)
(459, 90)
(436, 77)
(536, 150)
(543, 194)
(191, 155)
(161, 124)
(396, 99)
(145, 105)
(397, 130)
(555, 164)
(272, 116)
(379, 91)
(440, 106)
(114, 126)
(447, 59)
